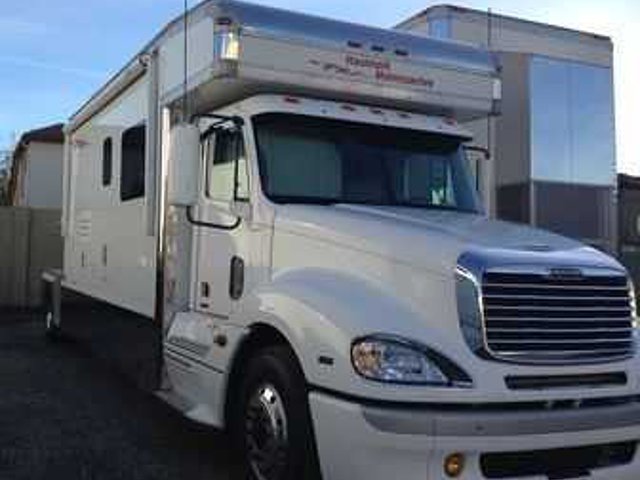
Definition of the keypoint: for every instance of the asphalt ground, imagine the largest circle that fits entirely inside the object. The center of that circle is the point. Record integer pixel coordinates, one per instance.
(67, 413)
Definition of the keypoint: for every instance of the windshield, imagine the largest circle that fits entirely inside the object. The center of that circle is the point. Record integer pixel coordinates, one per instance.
(313, 160)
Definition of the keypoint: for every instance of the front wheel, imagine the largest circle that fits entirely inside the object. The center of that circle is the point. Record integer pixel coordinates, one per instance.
(272, 423)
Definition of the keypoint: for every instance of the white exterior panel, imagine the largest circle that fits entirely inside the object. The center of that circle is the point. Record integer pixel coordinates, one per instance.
(40, 184)
(108, 254)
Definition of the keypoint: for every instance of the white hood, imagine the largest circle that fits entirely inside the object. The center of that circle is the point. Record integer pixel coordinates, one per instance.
(431, 239)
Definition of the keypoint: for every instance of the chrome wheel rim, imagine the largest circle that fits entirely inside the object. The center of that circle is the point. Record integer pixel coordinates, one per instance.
(266, 433)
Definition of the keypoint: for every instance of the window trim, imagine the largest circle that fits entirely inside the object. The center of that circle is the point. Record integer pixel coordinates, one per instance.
(477, 209)
(107, 183)
(143, 194)
(214, 137)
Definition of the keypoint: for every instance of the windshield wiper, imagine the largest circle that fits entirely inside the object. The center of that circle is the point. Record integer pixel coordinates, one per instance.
(303, 200)
(295, 199)
(432, 206)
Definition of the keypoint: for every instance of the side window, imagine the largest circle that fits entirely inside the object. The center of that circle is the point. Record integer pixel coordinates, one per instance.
(225, 154)
(132, 163)
(107, 161)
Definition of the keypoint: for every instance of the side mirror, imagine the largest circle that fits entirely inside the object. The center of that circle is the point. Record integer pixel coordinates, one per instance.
(184, 165)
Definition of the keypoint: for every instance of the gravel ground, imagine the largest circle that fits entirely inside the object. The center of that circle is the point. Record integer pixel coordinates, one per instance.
(65, 414)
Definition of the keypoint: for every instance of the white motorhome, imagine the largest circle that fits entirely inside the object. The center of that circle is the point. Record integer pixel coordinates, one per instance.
(292, 210)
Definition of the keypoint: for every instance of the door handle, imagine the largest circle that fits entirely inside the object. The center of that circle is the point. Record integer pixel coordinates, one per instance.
(236, 279)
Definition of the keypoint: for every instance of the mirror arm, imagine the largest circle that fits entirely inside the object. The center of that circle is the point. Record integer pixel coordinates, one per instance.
(215, 226)
(221, 120)
(475, 148)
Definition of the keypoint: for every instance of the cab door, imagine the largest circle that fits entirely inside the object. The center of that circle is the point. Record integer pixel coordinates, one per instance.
(221, 245)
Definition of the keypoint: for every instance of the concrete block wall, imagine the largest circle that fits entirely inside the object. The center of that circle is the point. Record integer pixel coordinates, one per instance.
(30, 243)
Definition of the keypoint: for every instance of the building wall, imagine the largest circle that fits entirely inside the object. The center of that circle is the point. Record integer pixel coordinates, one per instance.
(41, 176)
(553, 145)
(512, 34)
(629, 225)
(511, 158)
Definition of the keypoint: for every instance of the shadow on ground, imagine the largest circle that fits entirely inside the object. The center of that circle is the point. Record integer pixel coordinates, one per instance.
(66, 414)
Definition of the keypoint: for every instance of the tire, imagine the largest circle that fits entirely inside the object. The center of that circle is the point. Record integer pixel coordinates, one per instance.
(271, 425)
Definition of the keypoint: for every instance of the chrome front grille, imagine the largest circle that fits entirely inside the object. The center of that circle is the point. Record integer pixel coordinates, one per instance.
(541, 318)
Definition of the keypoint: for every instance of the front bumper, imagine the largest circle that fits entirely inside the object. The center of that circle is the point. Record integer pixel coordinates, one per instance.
(367, 442)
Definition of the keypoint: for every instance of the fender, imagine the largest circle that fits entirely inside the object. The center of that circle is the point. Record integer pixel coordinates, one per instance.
(320, 312)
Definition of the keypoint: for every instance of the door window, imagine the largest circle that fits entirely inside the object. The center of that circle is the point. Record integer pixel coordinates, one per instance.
(227, 167)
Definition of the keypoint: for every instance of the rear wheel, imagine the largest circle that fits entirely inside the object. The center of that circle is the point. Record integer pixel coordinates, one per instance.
(272, 423)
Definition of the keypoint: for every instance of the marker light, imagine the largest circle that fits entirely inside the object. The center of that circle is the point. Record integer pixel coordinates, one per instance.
(454, 465)
(226, 44)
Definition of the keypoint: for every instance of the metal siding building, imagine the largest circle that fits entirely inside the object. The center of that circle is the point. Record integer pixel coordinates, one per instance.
(554, 143)
(36, 170)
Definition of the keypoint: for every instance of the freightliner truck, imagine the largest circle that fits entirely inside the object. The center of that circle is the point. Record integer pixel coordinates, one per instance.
(287, 200)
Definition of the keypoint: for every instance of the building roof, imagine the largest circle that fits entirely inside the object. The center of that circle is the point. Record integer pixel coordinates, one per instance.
(49, 134)
(447, 9)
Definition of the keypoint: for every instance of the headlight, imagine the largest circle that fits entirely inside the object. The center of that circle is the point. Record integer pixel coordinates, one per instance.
(469, 301)
(395, 360)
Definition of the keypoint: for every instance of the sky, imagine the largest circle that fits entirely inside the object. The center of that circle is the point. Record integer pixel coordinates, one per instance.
(55, 54)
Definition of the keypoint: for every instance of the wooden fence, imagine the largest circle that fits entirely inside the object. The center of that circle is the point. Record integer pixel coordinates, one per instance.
(30, 243)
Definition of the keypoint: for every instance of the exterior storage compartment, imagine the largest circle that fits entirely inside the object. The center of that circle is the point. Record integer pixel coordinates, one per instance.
(254, 52)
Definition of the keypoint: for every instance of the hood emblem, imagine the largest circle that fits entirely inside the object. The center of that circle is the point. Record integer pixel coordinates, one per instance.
(566, 274)
(537, 247)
